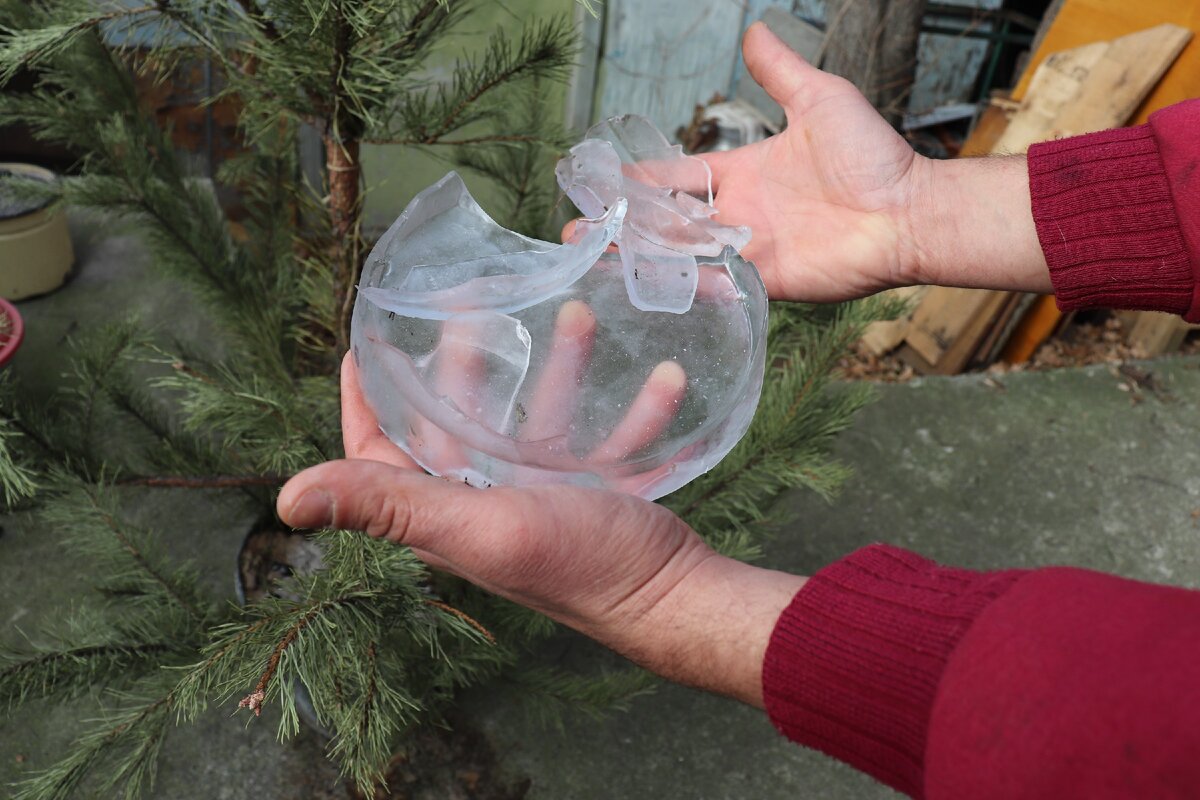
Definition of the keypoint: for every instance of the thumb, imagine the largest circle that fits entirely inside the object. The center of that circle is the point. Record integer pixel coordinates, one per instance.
(782, 72)
(401, 505)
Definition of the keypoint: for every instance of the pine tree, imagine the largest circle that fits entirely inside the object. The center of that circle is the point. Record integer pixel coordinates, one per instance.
(378, 641)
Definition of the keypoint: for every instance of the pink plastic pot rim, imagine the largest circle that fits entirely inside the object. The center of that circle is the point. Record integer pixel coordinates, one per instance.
(10, 343)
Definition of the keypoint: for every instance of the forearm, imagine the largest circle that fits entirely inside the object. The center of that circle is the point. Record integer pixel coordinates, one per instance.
(971, 226)
(1105, 220)
(711, 629)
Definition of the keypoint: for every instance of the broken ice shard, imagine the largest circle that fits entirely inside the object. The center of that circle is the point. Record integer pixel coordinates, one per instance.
(495, 358)
(670, 216)
(449, 256)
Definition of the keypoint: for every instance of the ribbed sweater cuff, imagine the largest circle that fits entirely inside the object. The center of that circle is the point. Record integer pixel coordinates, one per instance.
(854, 663)
(1106, 221)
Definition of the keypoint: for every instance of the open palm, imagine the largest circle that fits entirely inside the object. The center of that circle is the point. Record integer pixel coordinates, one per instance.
(827, 197)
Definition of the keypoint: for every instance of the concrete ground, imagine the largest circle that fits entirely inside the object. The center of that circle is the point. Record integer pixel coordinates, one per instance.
(1061, 467)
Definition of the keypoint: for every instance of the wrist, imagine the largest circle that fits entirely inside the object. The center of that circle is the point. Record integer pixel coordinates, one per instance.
(970, 224)
(711, 630)
(914, 223)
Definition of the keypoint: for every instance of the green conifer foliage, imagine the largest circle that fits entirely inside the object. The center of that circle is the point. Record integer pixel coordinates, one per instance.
(379, 642)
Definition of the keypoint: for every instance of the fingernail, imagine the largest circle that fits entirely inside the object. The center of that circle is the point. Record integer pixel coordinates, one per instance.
(668, 375)
(314, 509)
(766, 28)
(575, 318)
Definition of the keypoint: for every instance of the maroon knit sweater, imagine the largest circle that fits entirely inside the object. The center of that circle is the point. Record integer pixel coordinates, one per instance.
(1057, 682)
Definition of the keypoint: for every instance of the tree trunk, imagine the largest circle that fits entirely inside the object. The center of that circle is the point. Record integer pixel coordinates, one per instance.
(345, 211)
(873, 44)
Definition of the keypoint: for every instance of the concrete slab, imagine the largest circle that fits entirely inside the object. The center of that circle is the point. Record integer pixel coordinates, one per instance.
(1052, 468)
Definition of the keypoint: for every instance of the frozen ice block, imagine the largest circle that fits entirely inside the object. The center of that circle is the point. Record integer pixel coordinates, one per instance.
(495, 358)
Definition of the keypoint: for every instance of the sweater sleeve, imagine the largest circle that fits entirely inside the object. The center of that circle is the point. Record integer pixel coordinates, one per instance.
(948, 683)
(1118, 214)
(855, 661)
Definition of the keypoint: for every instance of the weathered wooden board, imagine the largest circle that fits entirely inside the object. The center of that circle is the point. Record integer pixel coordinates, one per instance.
(1092, 87)
(1002, 328)
(948, 325)
(954, 355)
(1155, 333)
(885, 336)
(1080, 22)
(1118, 83)
(1058, 82)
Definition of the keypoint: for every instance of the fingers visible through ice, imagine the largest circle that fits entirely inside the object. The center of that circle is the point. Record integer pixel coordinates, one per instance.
(480, 365)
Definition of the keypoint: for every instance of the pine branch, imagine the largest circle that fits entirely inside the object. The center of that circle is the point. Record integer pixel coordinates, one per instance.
(25, 48)
(537, 52)
(94, 367)
(17, 477)
(138, 732)
(173, 450)
(168, 588)
(231, 651)
(368, 699)
(69, 670)
(717, 487)
(484, 632)
(543, 51)
(254, 700)
(408, 44)
(213, 482)
(209, 269)
(371, 716)
(261, 20)
(799, 412)
(33, 435)
(120, 552)
(548, 693)
(473, 140)
(273, 424)
(511, 622)
(523, 170)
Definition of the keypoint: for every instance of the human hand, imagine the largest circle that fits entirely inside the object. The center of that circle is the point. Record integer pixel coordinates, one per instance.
(617, 568)
(828, 198)
(841, 206)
